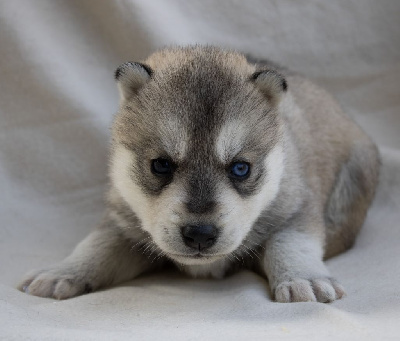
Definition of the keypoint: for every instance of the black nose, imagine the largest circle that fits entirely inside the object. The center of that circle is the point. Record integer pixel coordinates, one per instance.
(199, 237)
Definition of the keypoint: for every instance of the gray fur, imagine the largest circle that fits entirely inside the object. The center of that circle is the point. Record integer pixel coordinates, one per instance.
(313, 176)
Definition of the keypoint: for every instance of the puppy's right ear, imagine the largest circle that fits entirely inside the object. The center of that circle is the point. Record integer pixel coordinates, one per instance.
(131, 76)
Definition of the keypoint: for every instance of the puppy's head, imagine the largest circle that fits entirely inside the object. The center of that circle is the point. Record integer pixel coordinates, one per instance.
(197, 151)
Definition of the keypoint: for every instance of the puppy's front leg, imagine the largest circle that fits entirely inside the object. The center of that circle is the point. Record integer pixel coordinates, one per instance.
(103, 258)
(295, 270)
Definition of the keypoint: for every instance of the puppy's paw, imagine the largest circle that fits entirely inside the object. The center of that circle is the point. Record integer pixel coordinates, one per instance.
(322, 289)
(59, 283)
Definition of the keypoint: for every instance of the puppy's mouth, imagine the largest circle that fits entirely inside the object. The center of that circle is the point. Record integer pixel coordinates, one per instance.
(197, 255)
(195, 258)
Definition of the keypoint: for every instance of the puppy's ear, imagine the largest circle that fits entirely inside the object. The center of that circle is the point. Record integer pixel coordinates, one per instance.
(271, 83)
(131, 76)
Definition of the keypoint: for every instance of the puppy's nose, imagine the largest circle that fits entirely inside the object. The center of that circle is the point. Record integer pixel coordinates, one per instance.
(199, 237)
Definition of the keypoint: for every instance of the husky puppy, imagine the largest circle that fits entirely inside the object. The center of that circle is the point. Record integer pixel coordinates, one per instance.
(219, 163)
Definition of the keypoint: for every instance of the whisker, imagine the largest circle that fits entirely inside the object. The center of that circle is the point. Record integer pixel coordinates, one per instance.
(248, 253)
(157, 257)
(139, 242)
(234, 255)
(153, 248)
(254, 243)
(149, 244)
(255, 253)
(241, 257)
(146, 246)
(237, 255)
(230, 258)
(222, 215)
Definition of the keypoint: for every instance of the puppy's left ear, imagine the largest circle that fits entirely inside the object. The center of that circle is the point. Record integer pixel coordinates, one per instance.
(271, 83)
(131, 76)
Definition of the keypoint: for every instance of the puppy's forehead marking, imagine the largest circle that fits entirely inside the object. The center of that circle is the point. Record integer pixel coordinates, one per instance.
(230, 140)
(174, 137)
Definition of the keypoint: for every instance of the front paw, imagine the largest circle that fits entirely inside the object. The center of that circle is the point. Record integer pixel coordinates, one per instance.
(319, 289)
(59, 283)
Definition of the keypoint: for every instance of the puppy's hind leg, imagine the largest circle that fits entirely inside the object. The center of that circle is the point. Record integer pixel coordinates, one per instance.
(350, 199)
(103, 258)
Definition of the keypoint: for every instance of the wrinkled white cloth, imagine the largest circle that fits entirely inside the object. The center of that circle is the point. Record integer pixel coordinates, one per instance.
(57, 99)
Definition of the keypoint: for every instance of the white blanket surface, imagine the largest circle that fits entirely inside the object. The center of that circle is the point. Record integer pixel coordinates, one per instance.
(57, 99)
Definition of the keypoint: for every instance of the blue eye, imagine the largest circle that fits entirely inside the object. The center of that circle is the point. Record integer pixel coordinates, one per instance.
(161, 166)
(240, 170)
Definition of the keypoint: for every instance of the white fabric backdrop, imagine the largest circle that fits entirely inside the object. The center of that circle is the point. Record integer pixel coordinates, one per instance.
(57, 98)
